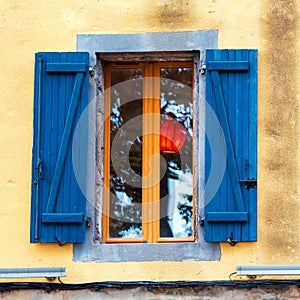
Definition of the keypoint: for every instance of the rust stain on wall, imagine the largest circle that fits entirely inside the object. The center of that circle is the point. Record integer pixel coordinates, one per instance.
(279, 127)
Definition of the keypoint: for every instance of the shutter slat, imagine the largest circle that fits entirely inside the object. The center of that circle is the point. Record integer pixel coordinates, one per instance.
(252, 146)
(234, 83)
(65, 93)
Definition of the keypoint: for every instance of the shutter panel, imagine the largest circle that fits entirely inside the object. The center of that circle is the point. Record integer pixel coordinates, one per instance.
(60, 96)
(231, 94)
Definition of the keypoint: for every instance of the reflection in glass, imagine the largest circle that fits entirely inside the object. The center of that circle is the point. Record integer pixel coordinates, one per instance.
(176, 186)
(125, 198)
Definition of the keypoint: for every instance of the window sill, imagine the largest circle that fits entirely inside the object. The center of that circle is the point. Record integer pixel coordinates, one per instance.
(184, 251)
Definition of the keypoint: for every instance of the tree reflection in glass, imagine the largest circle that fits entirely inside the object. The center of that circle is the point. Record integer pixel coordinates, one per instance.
(126, 166)
(125, 198)
(176, 186)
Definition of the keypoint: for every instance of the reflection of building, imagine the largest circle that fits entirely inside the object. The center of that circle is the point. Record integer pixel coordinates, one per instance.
(178, 189)
(172, 32)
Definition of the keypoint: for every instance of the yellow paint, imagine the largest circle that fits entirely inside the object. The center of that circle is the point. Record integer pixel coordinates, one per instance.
(271, 26)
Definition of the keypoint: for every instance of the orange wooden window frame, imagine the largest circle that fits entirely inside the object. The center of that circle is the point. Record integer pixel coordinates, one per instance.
(150, 149)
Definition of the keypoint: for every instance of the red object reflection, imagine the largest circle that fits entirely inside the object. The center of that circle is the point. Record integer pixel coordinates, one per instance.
(172, 136)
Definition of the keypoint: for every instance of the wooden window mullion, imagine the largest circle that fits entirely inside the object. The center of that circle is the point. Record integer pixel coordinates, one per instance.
(151, 160)
(156, 151)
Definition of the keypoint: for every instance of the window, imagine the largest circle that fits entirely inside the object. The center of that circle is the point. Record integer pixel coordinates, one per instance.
(148, 170)
(68, 192)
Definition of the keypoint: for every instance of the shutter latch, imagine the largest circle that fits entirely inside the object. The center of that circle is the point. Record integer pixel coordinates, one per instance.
(249, 183)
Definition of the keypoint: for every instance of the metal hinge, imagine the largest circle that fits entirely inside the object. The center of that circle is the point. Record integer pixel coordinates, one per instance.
(88, 222)
(41, 58)
(91, 71)
(35, 183)
(202, 69)
(40, 173)
(202, 221)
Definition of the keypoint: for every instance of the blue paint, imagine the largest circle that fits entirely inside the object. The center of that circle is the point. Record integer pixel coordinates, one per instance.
(61, 94)
(231, 91)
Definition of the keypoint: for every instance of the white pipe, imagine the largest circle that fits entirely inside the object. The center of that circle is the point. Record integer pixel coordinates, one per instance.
(253, 270)
(32, 272)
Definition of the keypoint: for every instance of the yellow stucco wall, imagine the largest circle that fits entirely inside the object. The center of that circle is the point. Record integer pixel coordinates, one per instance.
(30, 26)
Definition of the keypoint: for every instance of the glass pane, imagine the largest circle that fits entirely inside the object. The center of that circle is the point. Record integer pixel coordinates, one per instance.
(176, 187)
(126, 153)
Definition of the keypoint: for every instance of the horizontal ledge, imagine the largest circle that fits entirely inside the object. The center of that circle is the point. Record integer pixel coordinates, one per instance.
(32, 272)
(268, 270)
(62, 218)
(67, 67)
(228, 66)
(226, 217)
(150, 56)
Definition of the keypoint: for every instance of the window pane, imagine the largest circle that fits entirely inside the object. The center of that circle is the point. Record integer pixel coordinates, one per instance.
(176, 187)
(126, 153)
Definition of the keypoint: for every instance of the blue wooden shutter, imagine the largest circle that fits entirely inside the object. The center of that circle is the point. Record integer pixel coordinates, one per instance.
(60, 96)
(231, 93)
